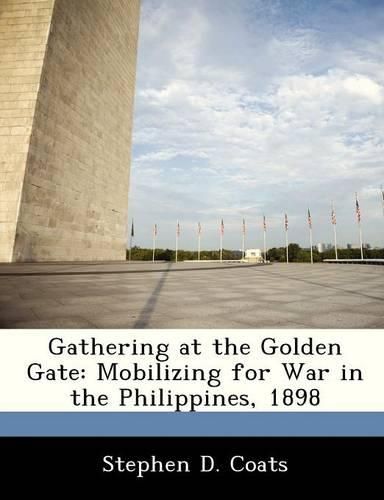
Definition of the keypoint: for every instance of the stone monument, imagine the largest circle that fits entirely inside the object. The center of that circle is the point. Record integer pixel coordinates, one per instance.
(67, 81)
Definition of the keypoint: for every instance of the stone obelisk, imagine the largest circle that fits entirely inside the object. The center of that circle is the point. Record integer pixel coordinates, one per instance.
(67, 82)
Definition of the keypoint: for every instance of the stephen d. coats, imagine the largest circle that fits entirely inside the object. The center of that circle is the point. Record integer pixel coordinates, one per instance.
(208, 464)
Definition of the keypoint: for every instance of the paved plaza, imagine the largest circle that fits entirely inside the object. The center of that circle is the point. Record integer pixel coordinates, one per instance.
(191, 295)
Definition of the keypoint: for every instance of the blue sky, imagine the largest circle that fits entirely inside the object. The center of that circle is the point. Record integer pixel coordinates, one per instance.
(246, 107)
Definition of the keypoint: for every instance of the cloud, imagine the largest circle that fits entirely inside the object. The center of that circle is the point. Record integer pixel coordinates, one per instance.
(246, 108)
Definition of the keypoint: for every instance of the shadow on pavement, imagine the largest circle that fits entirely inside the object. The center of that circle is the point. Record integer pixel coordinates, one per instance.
(146, 312)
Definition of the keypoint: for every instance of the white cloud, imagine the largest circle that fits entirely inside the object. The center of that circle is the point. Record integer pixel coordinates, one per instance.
(364, 88)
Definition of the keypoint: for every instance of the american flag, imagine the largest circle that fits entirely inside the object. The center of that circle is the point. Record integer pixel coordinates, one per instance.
(199, 228)
(309, 219)
(155, 230)
(132, 230)
(286, 222)
(333, 216)
(358, 213)
(222, 227)
(264, 223)
(244, 227)
(178, 229)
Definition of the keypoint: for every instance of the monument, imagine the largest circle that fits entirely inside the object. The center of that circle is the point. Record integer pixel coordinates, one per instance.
(67, 81)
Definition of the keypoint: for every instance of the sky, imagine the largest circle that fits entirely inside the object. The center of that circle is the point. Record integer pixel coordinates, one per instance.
(252, 107)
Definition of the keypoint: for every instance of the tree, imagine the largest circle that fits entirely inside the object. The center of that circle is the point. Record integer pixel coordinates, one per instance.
(293, 252)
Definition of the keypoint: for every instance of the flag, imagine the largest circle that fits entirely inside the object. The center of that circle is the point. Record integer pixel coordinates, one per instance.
(132, 230)
(244, 227)
(333, 216)
(264, 223)
(286, 222)
(198, 228)
(309, 219)
(222, 227)
(155, 230)
(358, 213)
(178, 229)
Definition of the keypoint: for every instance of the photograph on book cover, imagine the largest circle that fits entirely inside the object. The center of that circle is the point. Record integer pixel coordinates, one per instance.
(255, 196)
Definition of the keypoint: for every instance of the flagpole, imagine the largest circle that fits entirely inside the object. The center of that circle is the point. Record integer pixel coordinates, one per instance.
(265, 238)
(311, 243)
(130, 243)
(177, 241)
(221, 240)
(154, 243)
(335, 239)
(221, 246)
(198, 241)
(333, 220)
(243, 240)
(310, 234)
(286, 236)
(286, 244)
(361, 242)
(358, 215)
(265, 246)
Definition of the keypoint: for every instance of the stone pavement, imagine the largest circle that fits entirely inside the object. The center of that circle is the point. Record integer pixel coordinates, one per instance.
(160, 295)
